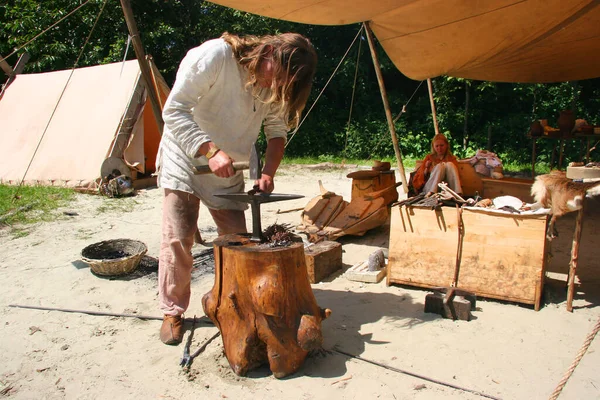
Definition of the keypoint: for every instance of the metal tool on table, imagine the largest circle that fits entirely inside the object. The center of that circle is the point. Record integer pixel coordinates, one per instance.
(255, 197)
(253, 165)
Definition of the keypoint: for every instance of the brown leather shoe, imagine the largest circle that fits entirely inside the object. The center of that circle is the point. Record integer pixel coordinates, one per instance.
(171, 331)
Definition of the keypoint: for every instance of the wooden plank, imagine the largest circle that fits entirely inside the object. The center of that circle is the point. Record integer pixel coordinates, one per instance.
(333, 207)
(360, 272)
(503, 256)
(355, 211)
(423, 245)
(316, 207)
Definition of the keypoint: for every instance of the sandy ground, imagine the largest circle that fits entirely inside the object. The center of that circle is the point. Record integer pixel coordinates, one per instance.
(508, 351)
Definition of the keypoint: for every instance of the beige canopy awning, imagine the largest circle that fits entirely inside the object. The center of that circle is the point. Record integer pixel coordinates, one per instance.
(494, 40)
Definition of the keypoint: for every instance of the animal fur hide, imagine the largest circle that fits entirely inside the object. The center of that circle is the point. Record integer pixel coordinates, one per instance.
(561, 194)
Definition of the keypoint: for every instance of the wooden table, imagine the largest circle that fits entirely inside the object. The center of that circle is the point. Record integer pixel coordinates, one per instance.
(560, 142)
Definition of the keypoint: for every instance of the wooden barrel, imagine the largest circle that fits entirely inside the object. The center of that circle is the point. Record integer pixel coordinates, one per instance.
(365, 182)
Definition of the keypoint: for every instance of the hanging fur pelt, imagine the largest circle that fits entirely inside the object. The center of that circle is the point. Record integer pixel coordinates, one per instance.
(561, 194)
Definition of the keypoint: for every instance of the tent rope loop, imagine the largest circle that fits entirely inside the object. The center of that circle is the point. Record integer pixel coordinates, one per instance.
(405, 105)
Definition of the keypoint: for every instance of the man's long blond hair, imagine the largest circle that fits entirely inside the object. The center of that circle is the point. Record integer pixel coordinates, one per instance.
(294, 65)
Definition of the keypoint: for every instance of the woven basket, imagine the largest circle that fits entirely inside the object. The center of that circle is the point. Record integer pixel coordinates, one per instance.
(114, 257)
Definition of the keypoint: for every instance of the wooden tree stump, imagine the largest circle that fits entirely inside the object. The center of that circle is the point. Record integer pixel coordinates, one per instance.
(263, 305)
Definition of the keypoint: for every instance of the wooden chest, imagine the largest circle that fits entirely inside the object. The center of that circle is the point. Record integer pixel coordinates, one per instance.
(494, 255)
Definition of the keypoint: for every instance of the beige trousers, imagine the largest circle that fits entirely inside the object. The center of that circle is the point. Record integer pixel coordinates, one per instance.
(443, 172)
(179, 223)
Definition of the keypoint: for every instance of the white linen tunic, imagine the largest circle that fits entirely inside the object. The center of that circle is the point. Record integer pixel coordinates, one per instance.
(209, 102)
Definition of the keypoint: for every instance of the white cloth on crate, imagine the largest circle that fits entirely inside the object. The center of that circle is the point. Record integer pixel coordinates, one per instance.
(491, 159)
(443, 172)
(209, 102)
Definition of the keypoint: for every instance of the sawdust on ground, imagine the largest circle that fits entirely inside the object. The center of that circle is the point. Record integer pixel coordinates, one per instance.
(508, 351)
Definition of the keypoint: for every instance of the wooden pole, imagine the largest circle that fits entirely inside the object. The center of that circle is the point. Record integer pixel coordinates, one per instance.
(560, 153)
(587, 150)
(386, 105)
(144, 68)
(574, 258)
(5, 67)
(433, 113)
(155, 82)
(19, 67)
(533, 158)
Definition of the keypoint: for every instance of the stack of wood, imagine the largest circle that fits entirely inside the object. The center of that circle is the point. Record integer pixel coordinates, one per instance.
(328, 216)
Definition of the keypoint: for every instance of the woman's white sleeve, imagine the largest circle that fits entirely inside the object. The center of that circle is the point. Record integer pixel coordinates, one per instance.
(197, 72)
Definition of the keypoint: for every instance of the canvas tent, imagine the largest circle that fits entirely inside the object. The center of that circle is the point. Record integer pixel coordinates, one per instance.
(59, 127)
(494, 40)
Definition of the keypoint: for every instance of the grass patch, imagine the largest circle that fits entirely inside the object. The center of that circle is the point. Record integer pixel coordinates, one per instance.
(524, 170)
(30, 204)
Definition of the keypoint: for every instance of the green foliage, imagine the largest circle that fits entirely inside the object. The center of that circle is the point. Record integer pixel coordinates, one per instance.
(348, 121)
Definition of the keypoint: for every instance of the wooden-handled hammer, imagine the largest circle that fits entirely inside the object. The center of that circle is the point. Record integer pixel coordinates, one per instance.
(253, 165)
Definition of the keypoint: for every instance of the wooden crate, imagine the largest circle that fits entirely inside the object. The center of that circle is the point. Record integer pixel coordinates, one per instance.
(323, 259)
(500, 256)
(503, 256)
(422, 249)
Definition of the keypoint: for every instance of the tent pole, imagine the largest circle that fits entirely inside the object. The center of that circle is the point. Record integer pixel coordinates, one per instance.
(386, 105)
(12, 72)
(141, 57)
(7, 68)
(433, 113)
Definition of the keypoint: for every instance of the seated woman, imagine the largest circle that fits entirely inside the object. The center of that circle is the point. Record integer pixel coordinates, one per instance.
(438, 166)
